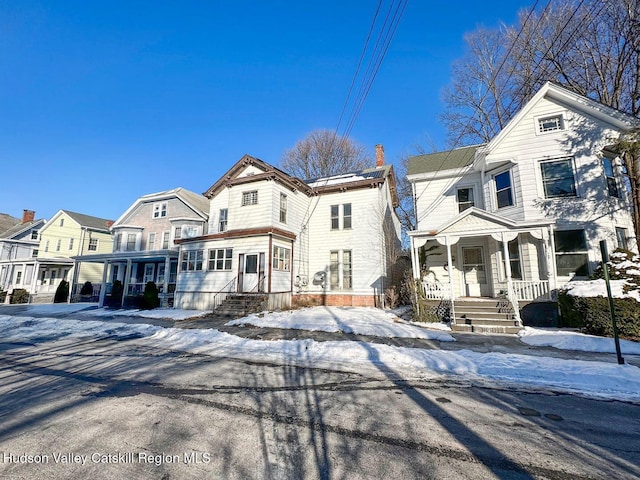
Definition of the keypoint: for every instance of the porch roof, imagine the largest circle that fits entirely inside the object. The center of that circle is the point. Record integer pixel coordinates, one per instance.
(474, 222)
(151, 255)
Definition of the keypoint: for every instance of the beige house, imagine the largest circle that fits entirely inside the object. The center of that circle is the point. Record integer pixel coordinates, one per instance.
(65, 235)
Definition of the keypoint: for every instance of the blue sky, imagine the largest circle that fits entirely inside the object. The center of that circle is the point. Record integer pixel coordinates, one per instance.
(101, 102)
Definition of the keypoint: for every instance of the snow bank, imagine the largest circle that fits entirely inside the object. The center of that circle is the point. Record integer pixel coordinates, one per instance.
(358, 320)
(569, 340)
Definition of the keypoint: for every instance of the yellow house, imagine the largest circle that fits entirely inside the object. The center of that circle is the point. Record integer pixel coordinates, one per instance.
(69, 234)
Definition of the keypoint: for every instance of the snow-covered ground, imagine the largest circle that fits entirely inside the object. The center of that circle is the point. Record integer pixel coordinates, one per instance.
(571, 340)
(169, 313)
(593, 378)
(359, 320)
(598, 288)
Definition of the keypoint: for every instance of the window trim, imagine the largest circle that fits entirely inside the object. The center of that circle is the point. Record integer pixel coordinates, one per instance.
(159, 210)
(625, 239)
(345, 216)
(151, 241)
(192, 260)
(473, 197)
(611, 181)
(335, 217)
(571, 161)
(281, 258)
(283, 208)
(562, 123)
(584, 252)
(223, 220)
(93, 242)
(496, 191)
(250, 197)
(213, 260)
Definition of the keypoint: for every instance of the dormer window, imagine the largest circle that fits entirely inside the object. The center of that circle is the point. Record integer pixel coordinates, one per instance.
(550, 124)
(34, 234)
(160, 210)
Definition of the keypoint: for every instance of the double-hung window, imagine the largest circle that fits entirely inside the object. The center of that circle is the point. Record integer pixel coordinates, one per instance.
(621, 237)
(609, 173)
(220, 259)
(93, 244)
(192, 260)
(222, 220)
(131, 242)
(335, 217)
(151, 242)
(70, 244)
(513, 248)
(346, 216)
(340, 273)
(283, 208)
(465, 199)
(571, 253)
(165, 240)
(504, 191)
(558, 179)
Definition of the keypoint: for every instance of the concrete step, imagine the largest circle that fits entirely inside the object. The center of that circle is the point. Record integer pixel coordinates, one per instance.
(487, 315)
(486, 321)
(485, 329)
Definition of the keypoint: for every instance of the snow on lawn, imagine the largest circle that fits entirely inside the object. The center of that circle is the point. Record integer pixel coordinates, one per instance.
(358, 320)
(598, 288)
(592, 378)
(169, 313)
(47, 308)
(569, 340)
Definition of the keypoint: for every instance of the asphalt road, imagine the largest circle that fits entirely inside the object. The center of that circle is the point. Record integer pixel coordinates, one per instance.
(115, 409)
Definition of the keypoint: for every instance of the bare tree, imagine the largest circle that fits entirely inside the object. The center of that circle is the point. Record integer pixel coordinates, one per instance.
(589, 46)
(323, 153)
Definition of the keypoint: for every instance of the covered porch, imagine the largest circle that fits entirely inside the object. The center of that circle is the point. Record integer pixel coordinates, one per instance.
(479, 255)
(133, 270)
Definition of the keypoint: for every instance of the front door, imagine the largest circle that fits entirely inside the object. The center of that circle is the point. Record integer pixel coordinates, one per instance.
(475, 275)
(251, 274)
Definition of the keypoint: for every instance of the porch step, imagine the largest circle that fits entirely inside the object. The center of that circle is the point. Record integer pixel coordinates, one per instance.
(484, 316)
(240, 305)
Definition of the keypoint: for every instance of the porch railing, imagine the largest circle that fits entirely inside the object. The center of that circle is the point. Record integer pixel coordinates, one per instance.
(532, 290)
(436, 291)
(222, 294)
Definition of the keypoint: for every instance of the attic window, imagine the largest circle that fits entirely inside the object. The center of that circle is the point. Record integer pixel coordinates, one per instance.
(550, 124)
(250, 198)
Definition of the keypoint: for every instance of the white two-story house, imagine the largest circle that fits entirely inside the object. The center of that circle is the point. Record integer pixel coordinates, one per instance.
(144, 247)
(321, 241)
(522, 215)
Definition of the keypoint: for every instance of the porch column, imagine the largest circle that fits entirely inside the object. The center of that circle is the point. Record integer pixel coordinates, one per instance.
(450, 271)
(414, 260)
(507, 270)
(165, 283)
(103, 286)
(127, 277)
(74, 279)
(34, 278)
(551, 263)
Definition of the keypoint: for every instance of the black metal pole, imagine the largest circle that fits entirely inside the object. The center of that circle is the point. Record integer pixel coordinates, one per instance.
(605, 269)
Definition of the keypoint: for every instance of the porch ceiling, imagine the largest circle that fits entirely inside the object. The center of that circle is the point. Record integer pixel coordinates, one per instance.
(122, 257)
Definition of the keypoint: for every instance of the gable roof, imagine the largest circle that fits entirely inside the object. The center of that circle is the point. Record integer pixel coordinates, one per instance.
(231, 177)
(86, 221)
(447, 160)
(20, 228)
(7, 222)
(617, 119)
(198, 203)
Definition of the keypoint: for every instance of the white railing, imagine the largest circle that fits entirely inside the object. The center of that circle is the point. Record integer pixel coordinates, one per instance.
(435, 291)
(532, 289)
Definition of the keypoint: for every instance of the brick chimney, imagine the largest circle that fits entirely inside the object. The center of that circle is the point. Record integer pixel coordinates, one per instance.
(28, 216)
(109, 223)
(379, 155)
